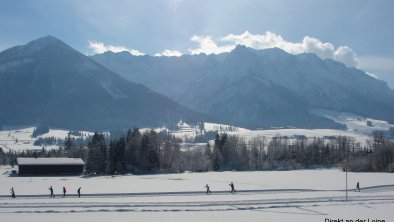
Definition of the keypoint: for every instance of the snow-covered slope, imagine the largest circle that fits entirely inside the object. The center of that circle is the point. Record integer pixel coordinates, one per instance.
(20, 138)
(359, 128)
(355, 123)
(291, 133)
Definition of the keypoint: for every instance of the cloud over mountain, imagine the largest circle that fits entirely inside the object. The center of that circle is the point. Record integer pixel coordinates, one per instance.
(209, 45)
(168, 52)
(100, 47)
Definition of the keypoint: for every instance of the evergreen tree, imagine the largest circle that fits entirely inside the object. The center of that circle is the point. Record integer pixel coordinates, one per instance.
(171, 154)
(133, 146)
(143, 163)
(68, 142)
(110, 168)
(244, 157)
(149, 155)
(208, 155)
(154, 150)
(116, 156)
(216, 154)
(97, 154)
(254, 157)
(208, 150)
(120, 155)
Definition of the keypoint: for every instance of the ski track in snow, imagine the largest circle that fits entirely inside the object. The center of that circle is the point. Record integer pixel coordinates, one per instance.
(124, 202)
(300, 195)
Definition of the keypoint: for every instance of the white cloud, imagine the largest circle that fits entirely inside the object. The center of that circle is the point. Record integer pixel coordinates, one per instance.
(99, 47)
(309, 44)
(268, 40)
(168, 52)
(346, 55)
(313, 45)
(208, 46)
(372, 75)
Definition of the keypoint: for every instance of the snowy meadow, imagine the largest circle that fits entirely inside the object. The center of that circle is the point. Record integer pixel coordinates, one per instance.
(300, 195)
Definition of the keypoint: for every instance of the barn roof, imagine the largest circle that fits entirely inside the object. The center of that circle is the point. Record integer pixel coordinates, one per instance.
(49, 161)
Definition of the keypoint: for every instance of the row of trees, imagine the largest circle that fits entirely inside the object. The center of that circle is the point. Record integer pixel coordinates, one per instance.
(7, 158)
(136, 152)
(233, 153)
(154, 152)
(381, 157)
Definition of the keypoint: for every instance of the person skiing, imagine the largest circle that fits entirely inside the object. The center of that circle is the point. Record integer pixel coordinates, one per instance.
(232, 187)
(51, 190)
(357, 186)
(79, 192)
(208, 191)
(64, 191)
(12, 192)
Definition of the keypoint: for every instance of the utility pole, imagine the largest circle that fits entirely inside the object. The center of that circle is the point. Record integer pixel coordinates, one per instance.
(346, 182)
(346, 169)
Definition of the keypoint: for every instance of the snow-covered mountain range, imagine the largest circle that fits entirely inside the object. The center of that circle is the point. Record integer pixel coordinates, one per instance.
(46, 82)
(259, 88)
(49, 83)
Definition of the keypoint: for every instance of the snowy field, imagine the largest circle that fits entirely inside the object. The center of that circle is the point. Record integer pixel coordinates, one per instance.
(358, 129)
(301, 195)
(19, 138)
(355, 123)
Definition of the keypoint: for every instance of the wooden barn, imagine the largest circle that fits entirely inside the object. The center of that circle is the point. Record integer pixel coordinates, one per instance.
(50, 166)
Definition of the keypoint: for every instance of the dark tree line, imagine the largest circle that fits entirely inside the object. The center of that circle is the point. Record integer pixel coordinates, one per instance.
(48, 141)
(7, 158)
(40, 130)
(79, 139)
(134, 152)
(151, 152)
(380, 158)
(233, 153)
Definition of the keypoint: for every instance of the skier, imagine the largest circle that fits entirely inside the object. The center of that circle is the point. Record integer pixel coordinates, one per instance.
(79, 192)
(357, 187)
(64, 191)
(232, 187)
(51, 190)
(12, 192)
(208, 191)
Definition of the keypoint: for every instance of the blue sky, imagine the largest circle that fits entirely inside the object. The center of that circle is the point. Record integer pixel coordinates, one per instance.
(356, 32)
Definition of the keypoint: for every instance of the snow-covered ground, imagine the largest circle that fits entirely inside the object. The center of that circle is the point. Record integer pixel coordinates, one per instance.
(309, 133)
(19, 139)
(301, 195)
(355, 123)
(357, 129)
